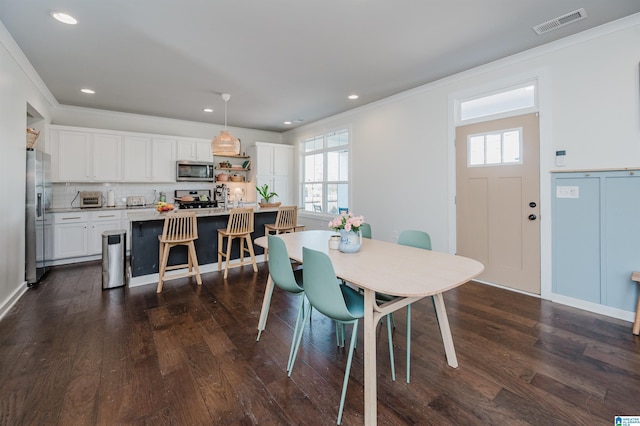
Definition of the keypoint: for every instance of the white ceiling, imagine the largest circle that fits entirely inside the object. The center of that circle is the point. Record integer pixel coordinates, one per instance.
(279, 59)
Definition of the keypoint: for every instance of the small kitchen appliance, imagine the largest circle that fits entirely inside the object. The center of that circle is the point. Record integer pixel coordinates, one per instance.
(90, 199)
(194, 199)
(136, 201)
(220, 194)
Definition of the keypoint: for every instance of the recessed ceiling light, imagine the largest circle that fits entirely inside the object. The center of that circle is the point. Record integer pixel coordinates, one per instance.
(88, 91)
(352, 97)
(208, 110)
(287, 122)
(64, 18)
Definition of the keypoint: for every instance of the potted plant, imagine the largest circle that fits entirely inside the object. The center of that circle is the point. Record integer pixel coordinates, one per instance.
(266, 194)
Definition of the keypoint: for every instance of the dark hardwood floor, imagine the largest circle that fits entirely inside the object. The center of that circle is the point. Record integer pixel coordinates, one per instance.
(73, 354)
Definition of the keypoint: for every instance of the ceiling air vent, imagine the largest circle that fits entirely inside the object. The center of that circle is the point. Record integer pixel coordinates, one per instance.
(560, 21)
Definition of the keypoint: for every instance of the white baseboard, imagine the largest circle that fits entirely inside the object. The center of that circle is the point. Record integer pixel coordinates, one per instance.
(8, 303)
(153, 278)
(595, 308)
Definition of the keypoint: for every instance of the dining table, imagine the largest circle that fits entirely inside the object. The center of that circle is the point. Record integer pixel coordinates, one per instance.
(384, 267)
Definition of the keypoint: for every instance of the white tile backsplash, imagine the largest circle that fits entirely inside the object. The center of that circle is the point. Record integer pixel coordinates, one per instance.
(65, 195)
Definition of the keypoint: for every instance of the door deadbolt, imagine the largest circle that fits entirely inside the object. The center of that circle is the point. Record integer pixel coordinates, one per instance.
(532, 204)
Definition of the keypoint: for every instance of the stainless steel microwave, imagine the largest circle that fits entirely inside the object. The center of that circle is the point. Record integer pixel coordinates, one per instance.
(194, 171)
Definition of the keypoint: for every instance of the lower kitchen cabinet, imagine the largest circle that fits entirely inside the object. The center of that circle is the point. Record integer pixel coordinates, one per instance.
(70, 235)
(78, 235)
(101, 221)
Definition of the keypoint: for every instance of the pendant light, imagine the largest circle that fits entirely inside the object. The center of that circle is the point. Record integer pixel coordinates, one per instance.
(225, 143)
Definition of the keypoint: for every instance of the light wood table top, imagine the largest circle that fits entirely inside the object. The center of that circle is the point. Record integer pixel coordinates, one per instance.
(393, 269)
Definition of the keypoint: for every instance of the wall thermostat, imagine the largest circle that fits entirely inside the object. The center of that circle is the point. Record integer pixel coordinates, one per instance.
(561, 158)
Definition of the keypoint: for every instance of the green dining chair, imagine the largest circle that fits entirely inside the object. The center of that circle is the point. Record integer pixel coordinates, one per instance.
(285, 278)
(339, 302)
(365, 229)
(412, 238)
(422, 240)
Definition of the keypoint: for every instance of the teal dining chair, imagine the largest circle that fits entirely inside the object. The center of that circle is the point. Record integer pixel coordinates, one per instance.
(422, 240)
(285, 278)
(365, 229)
(338, 302)
(412, 238)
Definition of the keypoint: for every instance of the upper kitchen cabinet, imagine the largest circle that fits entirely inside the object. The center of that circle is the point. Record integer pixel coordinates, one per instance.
(194, 150)
(137, 159)
(84, 156)
(163, 160)
(273, 165)
(149, 159)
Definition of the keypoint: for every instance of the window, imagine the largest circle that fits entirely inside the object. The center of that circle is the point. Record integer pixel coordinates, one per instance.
(517, 98)
(325, 164)
(495, 148)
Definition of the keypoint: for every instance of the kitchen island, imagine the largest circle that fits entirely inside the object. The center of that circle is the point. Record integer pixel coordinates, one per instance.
(146, 226)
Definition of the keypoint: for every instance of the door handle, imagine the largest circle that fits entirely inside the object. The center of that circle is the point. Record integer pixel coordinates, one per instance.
(532, 217)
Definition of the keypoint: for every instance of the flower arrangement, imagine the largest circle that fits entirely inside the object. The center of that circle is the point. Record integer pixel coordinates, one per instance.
(347, 221)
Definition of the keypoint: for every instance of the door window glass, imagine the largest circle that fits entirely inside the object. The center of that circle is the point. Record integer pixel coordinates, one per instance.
(495, 148)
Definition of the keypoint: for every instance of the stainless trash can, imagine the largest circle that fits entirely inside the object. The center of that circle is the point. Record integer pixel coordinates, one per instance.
(114, 252)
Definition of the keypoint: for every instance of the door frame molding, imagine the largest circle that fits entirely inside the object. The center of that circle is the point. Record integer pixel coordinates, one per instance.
(541, 75)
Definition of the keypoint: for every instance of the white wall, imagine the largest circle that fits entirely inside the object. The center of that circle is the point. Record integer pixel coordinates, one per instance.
(16, 90)
(402, 167)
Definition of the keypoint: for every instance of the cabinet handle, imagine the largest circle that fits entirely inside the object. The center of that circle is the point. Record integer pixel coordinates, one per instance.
(107, 215)
(70, 218)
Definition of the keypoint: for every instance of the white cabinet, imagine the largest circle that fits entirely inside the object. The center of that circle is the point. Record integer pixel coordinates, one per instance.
(148, 159)
(273, 165)
(84, 156)
(95, 155)
(74, 156)
(163, 160)
(79, 234)
(70, 235)
(136, 159)
(107, 157)
(194, 150)
(101, 221)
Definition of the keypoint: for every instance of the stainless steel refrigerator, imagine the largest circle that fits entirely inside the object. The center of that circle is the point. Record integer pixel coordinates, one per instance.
(38, 201)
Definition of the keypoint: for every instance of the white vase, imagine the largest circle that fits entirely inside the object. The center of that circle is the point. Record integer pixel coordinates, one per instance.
(350, 241)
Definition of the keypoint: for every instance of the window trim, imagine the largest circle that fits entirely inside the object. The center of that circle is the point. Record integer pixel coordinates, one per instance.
(484, 94)
(324, 151)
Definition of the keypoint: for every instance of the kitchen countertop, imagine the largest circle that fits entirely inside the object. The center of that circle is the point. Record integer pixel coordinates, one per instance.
(99, 209)
(217, 211)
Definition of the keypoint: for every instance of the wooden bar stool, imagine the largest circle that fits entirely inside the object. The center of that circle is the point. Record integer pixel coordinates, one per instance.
(180, 229)
(240, 226)
(636, 324)
(286, 221)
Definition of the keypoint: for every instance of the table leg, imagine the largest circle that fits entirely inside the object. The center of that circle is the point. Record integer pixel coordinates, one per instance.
(445, 330)
(370, 384)
(266, 301)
